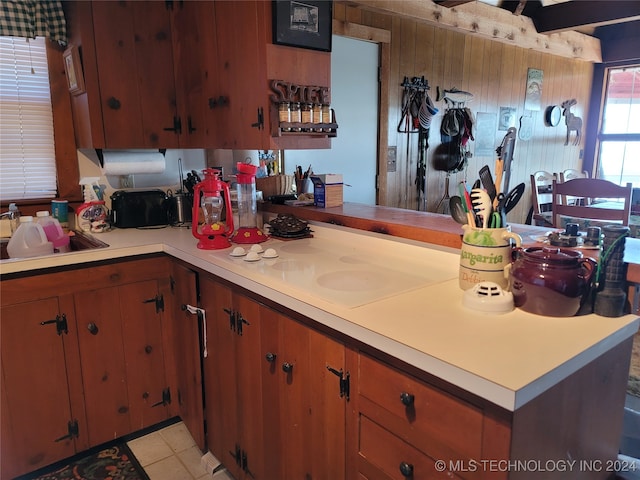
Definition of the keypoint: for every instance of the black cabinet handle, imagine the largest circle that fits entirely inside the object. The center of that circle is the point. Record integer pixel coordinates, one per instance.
(407, 399)
(287, 367)
(113, 103)
(218, 102)
(177, 126)
(406, 469)
(93, 328)
(271, 357)
(190, 126)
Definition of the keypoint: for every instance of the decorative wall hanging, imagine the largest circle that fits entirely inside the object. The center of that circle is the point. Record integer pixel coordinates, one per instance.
(507, 118)
(485, 134)
(526, 127)
(572, 122)
(306, 25)
(73, 69)
(533, 93)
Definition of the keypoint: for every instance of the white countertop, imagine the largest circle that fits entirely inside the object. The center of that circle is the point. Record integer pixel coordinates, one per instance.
(399, 296)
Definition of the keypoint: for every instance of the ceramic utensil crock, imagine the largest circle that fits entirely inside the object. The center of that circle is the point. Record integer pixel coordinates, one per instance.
(484, 254)
(550, 281)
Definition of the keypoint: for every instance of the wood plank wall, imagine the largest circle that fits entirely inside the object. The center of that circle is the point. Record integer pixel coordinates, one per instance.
(496, 74)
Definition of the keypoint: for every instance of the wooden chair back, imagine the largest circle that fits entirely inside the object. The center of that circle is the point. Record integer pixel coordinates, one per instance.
(541, 198)
(609, 202)
(570, 174)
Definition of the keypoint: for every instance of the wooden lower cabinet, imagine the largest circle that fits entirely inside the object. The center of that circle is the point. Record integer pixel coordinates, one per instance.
(274, 405)
(84, 360)
(37, 409)
(403, 426)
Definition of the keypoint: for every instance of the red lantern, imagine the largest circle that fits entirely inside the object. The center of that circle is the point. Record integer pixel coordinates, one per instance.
(211, 196)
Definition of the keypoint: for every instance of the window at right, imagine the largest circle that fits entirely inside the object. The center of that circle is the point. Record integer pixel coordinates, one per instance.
(619, 137)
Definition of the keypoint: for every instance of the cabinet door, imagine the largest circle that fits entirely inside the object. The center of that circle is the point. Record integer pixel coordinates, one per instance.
(34, 421)
(147, 386)
(303, 405)
(183, 351)
(135, 64)
(220, 380)
(241, 55)
(103, 368)
(233, 380)
(122, 359)
(194, 42)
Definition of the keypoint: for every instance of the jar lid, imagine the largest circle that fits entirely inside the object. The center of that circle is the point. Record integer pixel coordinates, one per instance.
(552, 255)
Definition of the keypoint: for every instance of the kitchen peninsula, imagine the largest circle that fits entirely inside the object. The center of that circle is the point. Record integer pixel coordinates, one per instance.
(406, 363)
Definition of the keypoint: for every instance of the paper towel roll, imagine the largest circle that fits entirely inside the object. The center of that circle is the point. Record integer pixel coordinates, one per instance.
(126, 162)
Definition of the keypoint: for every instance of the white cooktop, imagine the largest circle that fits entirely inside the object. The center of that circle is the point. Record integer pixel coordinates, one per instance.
(343, 274)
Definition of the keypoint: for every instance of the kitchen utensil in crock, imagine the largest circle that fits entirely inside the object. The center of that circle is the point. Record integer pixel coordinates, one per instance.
(481, 205)
(550, 281)
(487, 181)
(513, 197)
(457, 211)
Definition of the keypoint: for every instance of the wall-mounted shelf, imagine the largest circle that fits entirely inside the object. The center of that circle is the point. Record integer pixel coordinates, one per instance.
(299, 129)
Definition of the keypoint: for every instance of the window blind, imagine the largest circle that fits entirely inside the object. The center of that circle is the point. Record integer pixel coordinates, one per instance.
(27, 151)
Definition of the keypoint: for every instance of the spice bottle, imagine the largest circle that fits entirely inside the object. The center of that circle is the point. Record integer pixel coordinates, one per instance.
(317, 116)
(295, 115)
(307, 115)
(284, 114)
(327, 116)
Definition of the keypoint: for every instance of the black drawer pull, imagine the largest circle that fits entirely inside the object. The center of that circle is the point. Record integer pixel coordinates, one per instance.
(271, 357)
(287, 367)
(407, 399)
(406, 469)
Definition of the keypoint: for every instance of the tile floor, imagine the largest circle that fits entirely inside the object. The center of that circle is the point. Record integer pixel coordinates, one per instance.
(171, 454)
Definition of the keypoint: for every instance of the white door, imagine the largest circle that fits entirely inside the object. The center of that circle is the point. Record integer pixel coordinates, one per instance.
(354, 97)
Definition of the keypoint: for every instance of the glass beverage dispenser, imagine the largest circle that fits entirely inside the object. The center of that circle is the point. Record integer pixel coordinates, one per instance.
(248, 231)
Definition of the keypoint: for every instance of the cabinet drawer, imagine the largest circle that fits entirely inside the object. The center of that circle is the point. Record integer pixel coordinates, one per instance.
(385, 454)
(430, 419)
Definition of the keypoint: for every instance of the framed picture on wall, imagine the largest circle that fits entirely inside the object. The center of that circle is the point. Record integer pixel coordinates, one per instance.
(73, 69)
(305, 24)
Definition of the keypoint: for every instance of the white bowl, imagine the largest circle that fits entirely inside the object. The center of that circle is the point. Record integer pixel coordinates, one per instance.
(238, 252)
(270, 253)
(252, 257)
(256, 248)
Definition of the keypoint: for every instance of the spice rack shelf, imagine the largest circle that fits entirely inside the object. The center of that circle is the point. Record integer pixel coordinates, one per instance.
(280, 129)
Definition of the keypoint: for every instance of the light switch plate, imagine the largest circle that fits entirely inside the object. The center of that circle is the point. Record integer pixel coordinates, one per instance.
(391, 158)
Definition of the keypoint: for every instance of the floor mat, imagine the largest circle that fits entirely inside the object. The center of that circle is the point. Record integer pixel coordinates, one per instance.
(114, 461)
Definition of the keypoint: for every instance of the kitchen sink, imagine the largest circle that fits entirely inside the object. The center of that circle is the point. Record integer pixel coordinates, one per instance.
(78, 241)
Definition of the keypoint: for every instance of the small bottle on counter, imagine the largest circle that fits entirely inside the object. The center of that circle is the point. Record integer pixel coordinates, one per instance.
(14, 217)
(284, 114)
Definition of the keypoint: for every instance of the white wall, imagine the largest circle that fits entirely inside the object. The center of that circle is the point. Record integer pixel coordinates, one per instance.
(354, 97)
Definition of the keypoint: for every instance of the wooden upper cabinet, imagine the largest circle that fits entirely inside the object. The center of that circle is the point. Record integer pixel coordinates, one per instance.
(134, 54)
(191, 74)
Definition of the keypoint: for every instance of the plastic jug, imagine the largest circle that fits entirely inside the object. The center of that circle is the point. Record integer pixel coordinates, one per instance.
(29, 240)
(53, 231)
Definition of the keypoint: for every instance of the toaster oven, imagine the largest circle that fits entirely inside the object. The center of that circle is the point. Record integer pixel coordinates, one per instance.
(134, 209)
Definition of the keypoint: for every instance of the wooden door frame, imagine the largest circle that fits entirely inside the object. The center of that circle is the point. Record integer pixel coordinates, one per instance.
(383, 39)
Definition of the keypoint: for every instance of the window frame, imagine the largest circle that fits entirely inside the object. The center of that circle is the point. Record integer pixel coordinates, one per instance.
(594, 136)
(67, 169)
